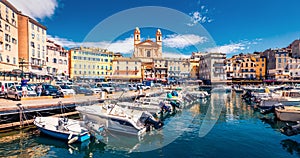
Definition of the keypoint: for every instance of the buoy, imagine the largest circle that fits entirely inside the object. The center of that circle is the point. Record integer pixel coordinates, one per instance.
(72, 140)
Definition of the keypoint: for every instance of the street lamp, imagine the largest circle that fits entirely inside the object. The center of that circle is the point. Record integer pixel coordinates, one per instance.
(22, 63)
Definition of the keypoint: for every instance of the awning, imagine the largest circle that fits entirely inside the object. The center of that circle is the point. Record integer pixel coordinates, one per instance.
(39, 72)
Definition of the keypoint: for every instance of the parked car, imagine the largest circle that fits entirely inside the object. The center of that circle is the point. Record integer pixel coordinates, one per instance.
(4, 85)
(67, 90)
(15, 92)
(95, 89)
(50, 90)
(121, 87)
(132, 87)
(32, 85)
(106, 87)
(82, 90)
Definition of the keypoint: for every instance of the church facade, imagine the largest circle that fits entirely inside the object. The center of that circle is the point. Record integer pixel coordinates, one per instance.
(147, 48)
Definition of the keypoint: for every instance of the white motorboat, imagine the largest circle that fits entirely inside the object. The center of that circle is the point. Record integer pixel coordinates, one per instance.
(118, 119)
(288, 113)
(62, 128)
(286, 98)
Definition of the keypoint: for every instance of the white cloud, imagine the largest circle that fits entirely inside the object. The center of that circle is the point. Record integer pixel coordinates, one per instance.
(229, 48)
(182, 41)
(235, 47)
(36, 8)
(124, 46)
(175, 55)
(200, 16)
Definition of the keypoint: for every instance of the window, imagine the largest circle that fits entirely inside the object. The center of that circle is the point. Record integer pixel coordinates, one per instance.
(7, 47)
(148, 53)
(54, 60)
(32, 26)
(14, 41)
(32, 35)
(7, 37)
(75, 72)
(263, 65)
(14, 60)
(7, 27)
(7, 59)
(117, 67)
(33, 53)
(32, 44)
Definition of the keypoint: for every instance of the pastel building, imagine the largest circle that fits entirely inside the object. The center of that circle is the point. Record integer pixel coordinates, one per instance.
(212, 68)
(90, 63)
(32, 44)
(282, 69)
(127, 69)
(178, 68)
(9, 57)
(56, 59)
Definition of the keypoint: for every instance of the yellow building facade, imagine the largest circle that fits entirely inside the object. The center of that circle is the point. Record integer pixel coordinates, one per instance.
(261, 66)
(90, 63)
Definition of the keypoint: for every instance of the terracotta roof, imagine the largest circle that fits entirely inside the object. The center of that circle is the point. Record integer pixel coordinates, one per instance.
(10, 6)
(33, 21)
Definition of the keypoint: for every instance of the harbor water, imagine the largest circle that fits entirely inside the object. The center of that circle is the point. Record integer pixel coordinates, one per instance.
(221, 126)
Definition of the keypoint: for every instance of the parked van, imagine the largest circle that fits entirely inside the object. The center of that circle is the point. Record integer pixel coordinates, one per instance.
(4, 85)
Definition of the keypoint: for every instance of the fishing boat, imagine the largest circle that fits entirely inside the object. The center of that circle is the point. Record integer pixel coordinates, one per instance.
(288, 113)
(118, 119)
(62, 128)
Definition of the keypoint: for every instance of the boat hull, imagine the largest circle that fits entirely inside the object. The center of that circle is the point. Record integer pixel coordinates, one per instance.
(111, 123)
(64, 136)
(65, 129)
(284, 115)
(269, 103)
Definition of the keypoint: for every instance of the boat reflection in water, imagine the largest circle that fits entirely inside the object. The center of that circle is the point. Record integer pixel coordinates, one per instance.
(213, 111)
(291, 146)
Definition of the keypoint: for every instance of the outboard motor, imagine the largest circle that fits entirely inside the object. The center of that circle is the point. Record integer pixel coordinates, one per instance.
(290, 130)
(164, 107)
(268, 111)
(175, 104)
(149, 120)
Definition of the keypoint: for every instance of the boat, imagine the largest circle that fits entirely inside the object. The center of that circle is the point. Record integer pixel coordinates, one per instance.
(62, 128)
(288, 113)
(286, 98)
(221, 88)
(238, 90)
(118, 119)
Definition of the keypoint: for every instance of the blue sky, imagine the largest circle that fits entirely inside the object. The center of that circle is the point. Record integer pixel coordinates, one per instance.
(235, 26)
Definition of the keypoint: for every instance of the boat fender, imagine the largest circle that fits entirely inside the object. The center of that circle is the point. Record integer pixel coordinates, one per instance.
(72, 140)
(70, 136)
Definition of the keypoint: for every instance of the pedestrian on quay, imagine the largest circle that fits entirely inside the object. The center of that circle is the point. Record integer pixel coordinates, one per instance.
(39, 90)
(24, 86)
